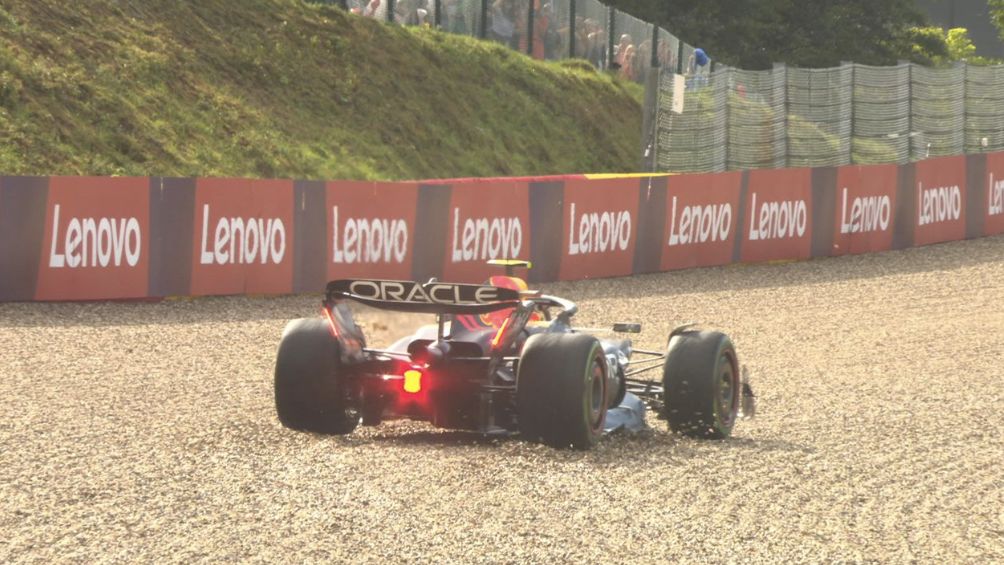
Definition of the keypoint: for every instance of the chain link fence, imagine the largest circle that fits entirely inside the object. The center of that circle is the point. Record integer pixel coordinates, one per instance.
(789, 117)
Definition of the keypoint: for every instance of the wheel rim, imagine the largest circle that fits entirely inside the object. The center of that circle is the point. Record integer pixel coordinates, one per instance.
(597, 396)
(725, 403)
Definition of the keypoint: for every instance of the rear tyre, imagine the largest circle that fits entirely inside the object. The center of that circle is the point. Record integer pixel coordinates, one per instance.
(310, 392)
(561, 390)
(701, 382)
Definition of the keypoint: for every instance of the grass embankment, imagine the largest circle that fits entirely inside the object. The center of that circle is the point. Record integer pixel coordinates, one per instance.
(280, 88)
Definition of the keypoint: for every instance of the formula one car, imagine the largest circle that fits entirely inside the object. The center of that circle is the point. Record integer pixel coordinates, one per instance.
(499, 359)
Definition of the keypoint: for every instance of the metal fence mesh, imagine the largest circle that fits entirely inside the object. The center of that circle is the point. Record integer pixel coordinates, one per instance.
(819, 112)
(984, 109)
(736, 119)
(881, 126)
(695, 139)
(756, 125)
(938, 111)
(790, 117)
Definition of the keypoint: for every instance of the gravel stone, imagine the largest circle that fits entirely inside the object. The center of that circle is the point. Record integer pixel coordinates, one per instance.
(146, 432)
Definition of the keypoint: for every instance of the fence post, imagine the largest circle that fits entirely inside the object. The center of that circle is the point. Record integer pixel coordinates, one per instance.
(390, 10)
(343, 4)
(728, 113)
(611, 30)
(650, 108)
(655, 46)
(965, 107)
(529, 29)
(483, 24)
(438, 20)
(679, 57)
(850, 140)
(909, 109)
(782, 69)
(571, 29)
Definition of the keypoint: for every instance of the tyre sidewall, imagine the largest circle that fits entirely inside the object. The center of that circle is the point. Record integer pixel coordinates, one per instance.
(693, 385)
(555, 392)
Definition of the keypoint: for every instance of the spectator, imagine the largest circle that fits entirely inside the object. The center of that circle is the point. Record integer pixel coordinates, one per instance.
(406, 12)
(371, 9)
(520, 30)
(620, 52)
(643, 58)
(453, 19)
(542, 27)
(502, 27)
(697, 62)
(667, 58)
(597, 52)
(627, 62)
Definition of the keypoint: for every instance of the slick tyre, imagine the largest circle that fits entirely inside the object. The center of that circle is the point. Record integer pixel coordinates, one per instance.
(561, 390)
(701, 382)
(310, 391)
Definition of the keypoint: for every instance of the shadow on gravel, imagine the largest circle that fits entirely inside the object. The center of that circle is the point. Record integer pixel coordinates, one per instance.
(627, 448)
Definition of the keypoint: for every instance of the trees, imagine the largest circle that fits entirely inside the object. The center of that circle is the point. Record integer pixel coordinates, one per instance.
(997, 14)
(753, 34)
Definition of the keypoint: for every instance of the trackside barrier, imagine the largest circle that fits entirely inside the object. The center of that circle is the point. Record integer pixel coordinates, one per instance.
(86, 238)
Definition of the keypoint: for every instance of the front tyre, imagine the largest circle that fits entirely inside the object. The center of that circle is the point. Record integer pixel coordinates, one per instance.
(701, 382)
(561, 390)
(310, 393)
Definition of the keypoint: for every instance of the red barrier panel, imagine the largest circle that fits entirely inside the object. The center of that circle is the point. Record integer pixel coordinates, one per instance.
(778, 219)
(96, 239)
(865, 208)
(243, 241)
(702, 214)
(995, 195)
(370, 229)
(599, 228)
(82, 238)
(486, 221)
(941, 201)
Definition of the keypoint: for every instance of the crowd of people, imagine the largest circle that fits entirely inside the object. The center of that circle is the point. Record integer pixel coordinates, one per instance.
(507, 23)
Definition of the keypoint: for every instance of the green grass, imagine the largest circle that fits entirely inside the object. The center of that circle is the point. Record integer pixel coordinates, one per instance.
(286, 89)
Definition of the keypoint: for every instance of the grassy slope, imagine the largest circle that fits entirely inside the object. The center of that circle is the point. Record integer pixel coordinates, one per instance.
(279, 88)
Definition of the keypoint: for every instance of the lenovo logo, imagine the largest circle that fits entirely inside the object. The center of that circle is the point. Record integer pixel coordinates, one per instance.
(995, 197)
(598, 232)
(700, 224)
(95, 242)
(868, 214)
(778, 219)
(242, 240)
(360, 240)
(939, 204)
(484, 238)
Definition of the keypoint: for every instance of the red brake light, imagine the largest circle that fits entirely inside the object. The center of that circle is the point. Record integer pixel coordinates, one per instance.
(413, 381)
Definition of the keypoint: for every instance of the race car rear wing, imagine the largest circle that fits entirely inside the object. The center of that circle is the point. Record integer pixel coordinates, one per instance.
(432, 297)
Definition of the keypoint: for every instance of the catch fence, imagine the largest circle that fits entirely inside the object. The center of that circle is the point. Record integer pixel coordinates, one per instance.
(737, 119)
(852, 114)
